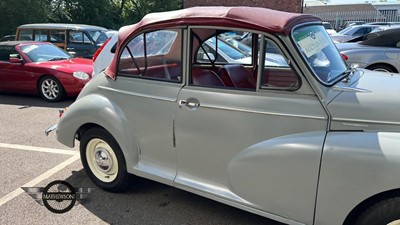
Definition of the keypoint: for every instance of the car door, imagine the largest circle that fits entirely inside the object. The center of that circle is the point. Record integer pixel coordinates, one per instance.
(148, 82)
(258, 147)
(13, 76)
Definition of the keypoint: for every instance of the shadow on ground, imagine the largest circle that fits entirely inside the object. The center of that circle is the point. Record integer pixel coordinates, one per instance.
(148, 202)
(27, 101)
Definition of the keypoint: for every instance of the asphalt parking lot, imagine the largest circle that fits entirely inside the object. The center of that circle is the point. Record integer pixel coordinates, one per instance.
(31, 159)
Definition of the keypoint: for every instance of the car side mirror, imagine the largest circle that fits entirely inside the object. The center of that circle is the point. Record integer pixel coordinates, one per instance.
(15, 60)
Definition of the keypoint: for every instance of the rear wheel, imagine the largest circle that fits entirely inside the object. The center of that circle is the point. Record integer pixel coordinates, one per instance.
(50, 89)
(103, 160)
(386, 212)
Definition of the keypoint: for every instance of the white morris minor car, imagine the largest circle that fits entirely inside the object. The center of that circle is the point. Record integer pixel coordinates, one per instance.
(309, 141)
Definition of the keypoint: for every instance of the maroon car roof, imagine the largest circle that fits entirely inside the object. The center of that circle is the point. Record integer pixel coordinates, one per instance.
(261, 19)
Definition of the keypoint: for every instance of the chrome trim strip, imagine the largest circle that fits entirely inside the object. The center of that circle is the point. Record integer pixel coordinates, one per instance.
(355, 125)
(350, 89)
(353, 121)
(262, 112)
(139, 94)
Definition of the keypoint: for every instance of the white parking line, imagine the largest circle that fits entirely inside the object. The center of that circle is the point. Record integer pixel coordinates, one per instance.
(39, 149)
(10, 196)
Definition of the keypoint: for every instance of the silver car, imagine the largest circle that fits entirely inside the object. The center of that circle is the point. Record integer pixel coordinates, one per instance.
(380, 51)
(308, 142)
(352, 32)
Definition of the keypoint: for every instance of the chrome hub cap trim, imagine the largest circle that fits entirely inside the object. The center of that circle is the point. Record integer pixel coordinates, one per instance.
(103, 160)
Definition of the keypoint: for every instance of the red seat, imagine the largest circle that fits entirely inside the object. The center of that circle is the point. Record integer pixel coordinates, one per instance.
(235, 75)
(204, 77)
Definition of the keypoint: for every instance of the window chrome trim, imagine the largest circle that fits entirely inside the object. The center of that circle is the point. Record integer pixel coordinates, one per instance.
(293, 40)
(138, 94)
(261, 62)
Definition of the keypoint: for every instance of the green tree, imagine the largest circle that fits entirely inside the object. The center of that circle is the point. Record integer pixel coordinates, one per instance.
(93, 12)
(106, 13)
(17, 12)
(135, 10)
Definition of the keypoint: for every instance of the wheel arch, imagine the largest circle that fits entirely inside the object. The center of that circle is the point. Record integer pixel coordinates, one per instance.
(364, 205)
(383, 64)
(97, 111)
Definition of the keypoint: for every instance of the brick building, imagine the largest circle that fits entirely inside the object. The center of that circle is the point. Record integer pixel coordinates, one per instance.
(282, 5)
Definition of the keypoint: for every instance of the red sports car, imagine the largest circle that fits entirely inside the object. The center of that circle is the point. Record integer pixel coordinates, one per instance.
(38, 67)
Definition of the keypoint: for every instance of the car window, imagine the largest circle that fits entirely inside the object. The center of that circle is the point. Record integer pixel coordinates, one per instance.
(224, 48)
(7, 52)
(44, 52)
(277, 73)
(99, 36)
(57, 36)
(79, 37)
(360, 31)
(222, 60)
(40, 35)
(320, 53)
(153, 55)
(327, 25)
(346, 31)
(26, 34)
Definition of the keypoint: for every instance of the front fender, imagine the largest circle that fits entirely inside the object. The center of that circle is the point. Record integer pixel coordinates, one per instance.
(280, 175)
(355, 166)
(96, 109)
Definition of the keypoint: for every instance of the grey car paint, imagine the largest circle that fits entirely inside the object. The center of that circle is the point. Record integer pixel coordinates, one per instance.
(367, 56)
(294, 149)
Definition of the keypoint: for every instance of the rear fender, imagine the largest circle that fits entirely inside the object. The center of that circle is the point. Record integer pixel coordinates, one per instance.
(98, 110)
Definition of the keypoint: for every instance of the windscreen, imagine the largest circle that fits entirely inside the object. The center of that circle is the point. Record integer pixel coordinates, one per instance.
(320, 53)
(44, 52)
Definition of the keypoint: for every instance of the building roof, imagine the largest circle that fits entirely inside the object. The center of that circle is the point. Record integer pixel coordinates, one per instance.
(340, 8)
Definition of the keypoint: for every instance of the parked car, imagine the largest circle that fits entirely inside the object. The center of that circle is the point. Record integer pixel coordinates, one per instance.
(329, 28)
(7, 38)
(104, 55)
(307, 143)
(381, 28)
(380, 51)
(80, 40)
(351, 23)
(42, 68)
(352, 32)
(384, 23)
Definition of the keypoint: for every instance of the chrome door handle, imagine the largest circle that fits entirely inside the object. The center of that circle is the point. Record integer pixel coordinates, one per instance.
(191, 103)
(186, 103)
